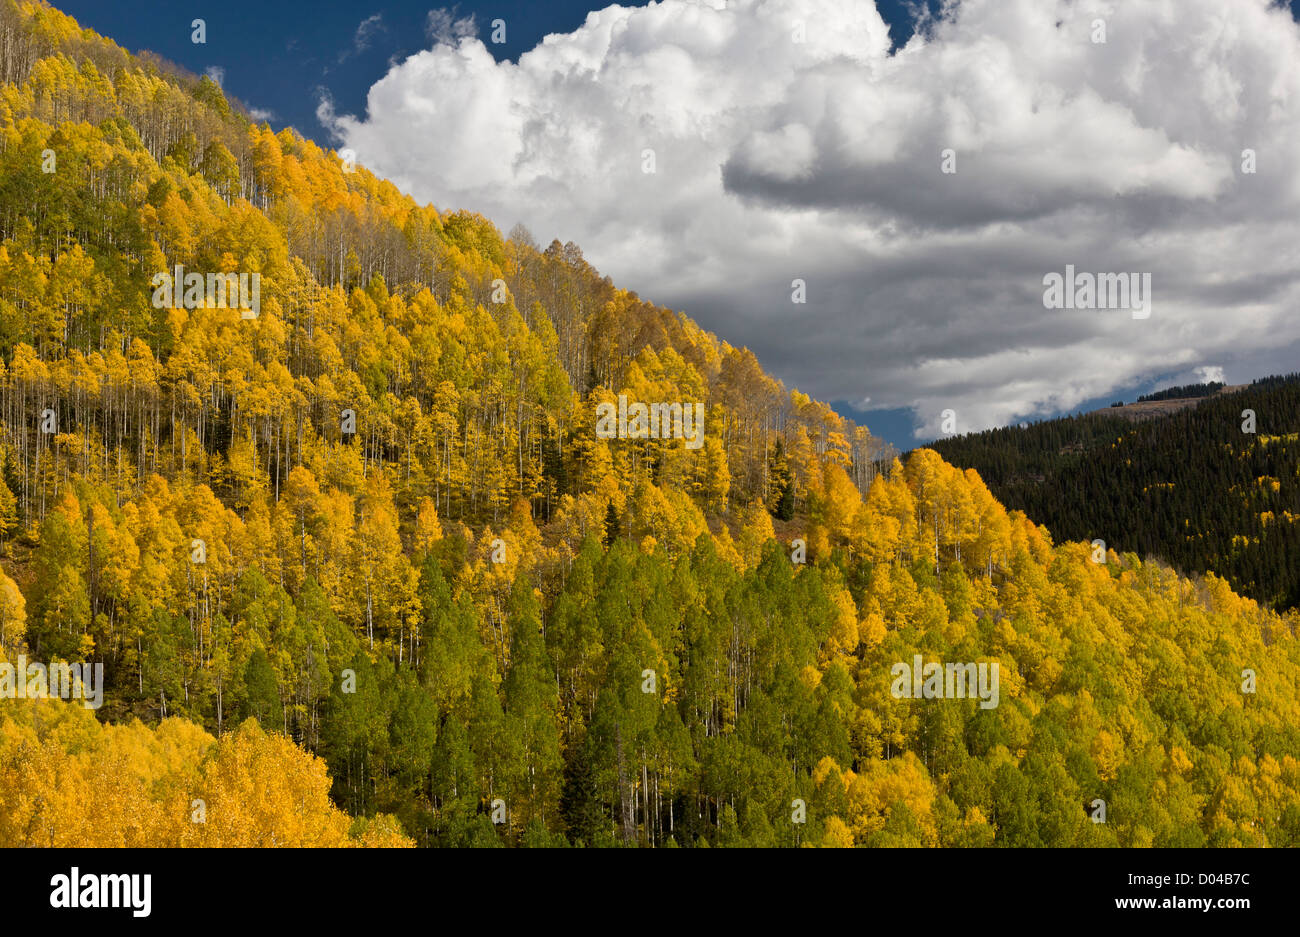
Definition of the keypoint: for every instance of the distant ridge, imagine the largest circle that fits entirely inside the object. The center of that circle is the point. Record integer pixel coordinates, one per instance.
(1187, 479)
(1153, 409)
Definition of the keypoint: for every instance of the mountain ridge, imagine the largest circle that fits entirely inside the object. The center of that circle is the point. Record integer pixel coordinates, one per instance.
(1151, 409)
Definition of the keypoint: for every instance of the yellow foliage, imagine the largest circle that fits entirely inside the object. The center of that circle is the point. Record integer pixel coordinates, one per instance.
(837, 835)
(68, 781)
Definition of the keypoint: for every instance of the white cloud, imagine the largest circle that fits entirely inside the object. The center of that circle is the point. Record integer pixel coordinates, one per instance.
(366, 30)
(217, 74)
(365, 34)
(820, 159)
(443, 26)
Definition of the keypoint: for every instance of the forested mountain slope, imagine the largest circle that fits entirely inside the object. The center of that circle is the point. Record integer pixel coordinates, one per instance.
(490, 622)
(1211, 487)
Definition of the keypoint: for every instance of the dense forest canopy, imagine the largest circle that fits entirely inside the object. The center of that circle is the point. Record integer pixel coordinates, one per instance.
(1215, 487)
(359, 570)
(1184, 390)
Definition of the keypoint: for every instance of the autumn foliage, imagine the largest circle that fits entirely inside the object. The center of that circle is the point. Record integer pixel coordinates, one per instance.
(471, 621)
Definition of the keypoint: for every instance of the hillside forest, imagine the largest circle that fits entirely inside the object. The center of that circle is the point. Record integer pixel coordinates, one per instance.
(359, 570)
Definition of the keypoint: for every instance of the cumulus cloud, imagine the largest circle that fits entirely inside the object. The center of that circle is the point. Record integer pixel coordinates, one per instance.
(789, 141)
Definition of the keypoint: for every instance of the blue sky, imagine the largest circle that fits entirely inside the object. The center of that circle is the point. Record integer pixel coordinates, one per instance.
(298, 47)
(820, 162)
